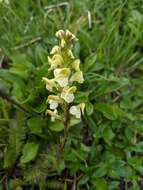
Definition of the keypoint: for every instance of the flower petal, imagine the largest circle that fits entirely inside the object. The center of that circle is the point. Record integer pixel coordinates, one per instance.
(55, 61)
(78, 77)
(70, 36)
(53, 101)
(74, 110)
(54, 114)
(61, 76)
(68, 97)
(67, 94)
(50, 83)
(75, 64)
(77, 110)
(56, 49)
(60, 34)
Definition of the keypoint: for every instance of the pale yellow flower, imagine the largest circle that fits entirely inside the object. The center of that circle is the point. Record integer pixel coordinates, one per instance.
(60, 34)
(75, 64)
(77, 110)
(54, 114)
(68, 94)
(62, 76)
(56, 61)
(78, 77)
(70, 36)
(50, 83)
(56, 49)
(53, 100)
(65, 36)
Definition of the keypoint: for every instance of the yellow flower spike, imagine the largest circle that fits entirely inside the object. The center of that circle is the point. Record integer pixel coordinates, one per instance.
(67, 94)
(56, 49)
(66, 70)
(78, 77)
(50, 83)
(75, 64)
(54, 114)
(61, 76)
(53, 101)
(77, 110)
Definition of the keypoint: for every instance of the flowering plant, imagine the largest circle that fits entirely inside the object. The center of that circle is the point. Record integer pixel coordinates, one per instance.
(66, 74)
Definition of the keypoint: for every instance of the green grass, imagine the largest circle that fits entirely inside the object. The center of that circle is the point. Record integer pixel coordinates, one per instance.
(104, 151)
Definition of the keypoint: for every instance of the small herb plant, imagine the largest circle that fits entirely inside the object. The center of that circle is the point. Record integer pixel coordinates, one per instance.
(66, 71)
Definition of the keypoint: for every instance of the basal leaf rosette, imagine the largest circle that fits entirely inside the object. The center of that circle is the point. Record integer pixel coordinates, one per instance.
(66, 74)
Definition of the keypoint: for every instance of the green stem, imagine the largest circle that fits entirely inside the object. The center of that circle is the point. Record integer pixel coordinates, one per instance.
(66, 126)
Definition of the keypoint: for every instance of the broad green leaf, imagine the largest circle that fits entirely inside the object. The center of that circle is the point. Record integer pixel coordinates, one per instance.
(56, 126)
(35, 124)
(100, 172)
(111, 112)
(29, 152)
(100, 184)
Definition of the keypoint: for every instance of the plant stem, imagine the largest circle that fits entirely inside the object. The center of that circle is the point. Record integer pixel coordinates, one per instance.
(66, 126)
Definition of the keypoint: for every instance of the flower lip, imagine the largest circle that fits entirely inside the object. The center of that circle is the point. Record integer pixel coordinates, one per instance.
(56, 61)
(61, 76)
(54, 97)
(77, 110)
(54, 101)
(67, 94)
(64, 72)
(50, 83)
(54, 114)
(78, 77)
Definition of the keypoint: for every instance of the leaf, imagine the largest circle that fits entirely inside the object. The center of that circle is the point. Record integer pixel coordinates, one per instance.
(35, 124)
(89, 108)
(108, 135)
(101, 184)
(81, 97)
(114, 184)
(111, 112)
(29, 152)
(125, 172)
(56, 126)
(21, 65)
(15, 144)
(74, 121)
(138, 148)
(100, 172)
(83, 180)
(89, 62)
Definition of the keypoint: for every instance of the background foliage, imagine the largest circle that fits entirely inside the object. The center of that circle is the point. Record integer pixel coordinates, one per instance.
(104, 151)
